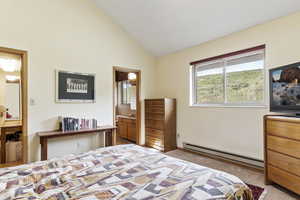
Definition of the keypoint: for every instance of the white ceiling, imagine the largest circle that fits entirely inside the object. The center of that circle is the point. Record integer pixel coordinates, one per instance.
(166, 26)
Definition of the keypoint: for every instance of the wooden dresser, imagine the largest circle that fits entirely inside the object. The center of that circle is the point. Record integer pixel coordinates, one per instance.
(282, 151)
(160, 123)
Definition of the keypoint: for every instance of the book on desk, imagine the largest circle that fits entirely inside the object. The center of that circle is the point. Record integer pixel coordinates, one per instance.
(74, 124)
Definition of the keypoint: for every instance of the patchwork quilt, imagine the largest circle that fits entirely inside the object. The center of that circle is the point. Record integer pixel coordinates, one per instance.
(120, 172)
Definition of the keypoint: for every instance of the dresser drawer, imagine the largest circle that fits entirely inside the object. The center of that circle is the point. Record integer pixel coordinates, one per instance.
(156, 116)
(154, 124)
(284, 162)
(155, 109)
(155, 102)
(284, 178)
(154, 133)
(283, 145)
(284, 129)
(154, 141)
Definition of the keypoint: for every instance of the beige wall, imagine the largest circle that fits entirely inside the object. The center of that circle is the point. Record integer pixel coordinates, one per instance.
(235, 130)
(2, 87)
(72, 35)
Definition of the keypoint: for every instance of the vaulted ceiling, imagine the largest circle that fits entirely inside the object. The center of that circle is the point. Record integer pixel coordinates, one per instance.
(166, 26)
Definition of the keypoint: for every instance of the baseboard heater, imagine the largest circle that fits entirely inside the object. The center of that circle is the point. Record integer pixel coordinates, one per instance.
(224, 155)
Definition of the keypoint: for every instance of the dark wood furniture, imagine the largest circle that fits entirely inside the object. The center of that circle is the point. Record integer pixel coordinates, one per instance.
(9, 127)
(282, 151)
(160, 123)
(44, 136)
(127, 128)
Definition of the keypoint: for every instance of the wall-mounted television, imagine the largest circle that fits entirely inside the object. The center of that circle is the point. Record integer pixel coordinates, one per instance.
(285, 89)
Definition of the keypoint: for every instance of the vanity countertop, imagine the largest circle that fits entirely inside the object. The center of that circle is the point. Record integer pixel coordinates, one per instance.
(125, 116)
(12, 123)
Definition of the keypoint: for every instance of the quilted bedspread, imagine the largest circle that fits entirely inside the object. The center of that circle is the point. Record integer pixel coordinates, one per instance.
(119, 172)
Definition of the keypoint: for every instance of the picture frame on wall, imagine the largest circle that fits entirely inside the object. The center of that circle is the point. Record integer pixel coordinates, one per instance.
(73, 87)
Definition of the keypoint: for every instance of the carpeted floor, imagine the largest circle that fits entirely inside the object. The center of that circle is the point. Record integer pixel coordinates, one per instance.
(247, 175)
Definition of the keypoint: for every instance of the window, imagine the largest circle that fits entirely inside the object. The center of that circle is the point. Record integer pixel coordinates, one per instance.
(235, 79)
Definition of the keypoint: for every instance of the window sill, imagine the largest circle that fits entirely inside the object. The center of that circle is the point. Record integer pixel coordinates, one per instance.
(227, 106)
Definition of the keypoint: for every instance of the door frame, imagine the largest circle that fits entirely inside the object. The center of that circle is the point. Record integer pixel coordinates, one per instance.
(24, 89)
(138, 100)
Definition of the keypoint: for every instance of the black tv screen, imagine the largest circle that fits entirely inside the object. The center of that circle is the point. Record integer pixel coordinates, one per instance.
(285, 89)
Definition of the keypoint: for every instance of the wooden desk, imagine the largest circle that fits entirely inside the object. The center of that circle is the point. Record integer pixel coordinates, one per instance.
(44, 136)
(9, 127)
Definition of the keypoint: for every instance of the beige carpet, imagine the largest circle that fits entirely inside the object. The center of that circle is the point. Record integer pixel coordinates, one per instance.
(249, 176)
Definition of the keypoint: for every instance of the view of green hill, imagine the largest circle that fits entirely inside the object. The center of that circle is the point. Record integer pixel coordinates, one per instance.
(245, 86)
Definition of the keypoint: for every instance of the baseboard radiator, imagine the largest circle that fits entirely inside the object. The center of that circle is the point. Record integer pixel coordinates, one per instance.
(224, 155)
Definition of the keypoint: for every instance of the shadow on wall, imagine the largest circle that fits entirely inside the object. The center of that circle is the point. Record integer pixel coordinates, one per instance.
(54, 121)
(34, 140)
(34, 144)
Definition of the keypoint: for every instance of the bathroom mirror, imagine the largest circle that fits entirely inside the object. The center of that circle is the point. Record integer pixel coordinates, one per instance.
(12, 101)
(10, 86)
(127, 93)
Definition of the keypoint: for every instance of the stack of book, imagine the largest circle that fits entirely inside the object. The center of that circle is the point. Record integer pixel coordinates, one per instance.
(74, 124)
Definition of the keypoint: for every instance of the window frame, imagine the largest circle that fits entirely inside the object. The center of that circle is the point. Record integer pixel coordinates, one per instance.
(225, 58)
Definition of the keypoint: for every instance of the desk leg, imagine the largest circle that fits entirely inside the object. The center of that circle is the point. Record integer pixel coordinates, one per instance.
(44, 148)
(114, 137)
(108, 138)
(3, 146)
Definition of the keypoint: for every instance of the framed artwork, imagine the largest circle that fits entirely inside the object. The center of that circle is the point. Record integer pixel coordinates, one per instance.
(75, 87)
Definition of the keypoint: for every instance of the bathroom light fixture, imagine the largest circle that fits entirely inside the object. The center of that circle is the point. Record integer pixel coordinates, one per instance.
(10, 65)
(132, 76)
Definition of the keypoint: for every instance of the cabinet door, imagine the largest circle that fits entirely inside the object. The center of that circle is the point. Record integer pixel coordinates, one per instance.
(131, 131)
(122, 129)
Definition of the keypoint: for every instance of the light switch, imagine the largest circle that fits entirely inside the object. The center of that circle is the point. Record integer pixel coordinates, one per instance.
(32, 102)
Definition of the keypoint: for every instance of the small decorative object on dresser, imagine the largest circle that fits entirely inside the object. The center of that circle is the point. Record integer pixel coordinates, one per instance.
(160, 123)
(282, 151)
(75, 87)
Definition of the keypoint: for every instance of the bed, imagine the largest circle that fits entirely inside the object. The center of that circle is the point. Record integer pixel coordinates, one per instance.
(119, 172)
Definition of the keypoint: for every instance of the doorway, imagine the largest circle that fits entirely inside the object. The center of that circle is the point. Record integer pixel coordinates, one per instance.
(127, 105)
(13, 107)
